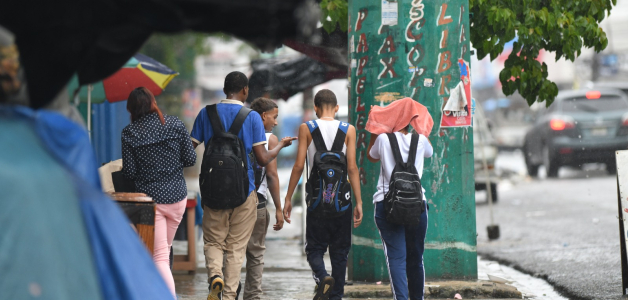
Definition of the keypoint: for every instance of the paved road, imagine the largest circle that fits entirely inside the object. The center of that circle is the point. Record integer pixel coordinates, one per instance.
(564, 230)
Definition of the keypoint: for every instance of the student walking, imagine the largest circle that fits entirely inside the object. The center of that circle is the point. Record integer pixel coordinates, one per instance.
(266, 180)
(155, 149)
(230, 132)
(329, 146)
(400, 206)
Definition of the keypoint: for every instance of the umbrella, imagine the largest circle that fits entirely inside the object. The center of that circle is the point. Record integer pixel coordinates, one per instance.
(139, 71)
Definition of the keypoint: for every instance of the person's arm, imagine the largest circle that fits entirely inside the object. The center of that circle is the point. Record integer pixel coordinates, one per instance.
(427, 145)
(368, 151)
(272, 180)
(297, 170)
(197, 135)
(354, 176)
(188, 155)
(264, 157)
(128, 161)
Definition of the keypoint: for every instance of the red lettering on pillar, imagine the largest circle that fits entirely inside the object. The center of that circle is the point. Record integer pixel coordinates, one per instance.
(415, 56)
(359, 87)
(361, 157)
(360, 105)
(443, 38)
(362, 140)
(362, 44)
(389, 70)
(388, 45)
(442, 19)
(444, 80)
(414, 25)
(361, 124)
(361, 64)
(362, 176)
(444, 62)
(361, 17)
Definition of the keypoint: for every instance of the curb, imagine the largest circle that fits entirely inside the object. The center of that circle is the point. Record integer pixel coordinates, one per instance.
(440, 290)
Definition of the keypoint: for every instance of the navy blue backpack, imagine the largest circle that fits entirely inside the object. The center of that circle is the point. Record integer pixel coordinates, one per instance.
(328, 189)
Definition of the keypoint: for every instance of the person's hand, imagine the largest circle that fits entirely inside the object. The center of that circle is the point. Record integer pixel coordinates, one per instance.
(279, 219)
(357, 215)
(287, 141)
(287, 210)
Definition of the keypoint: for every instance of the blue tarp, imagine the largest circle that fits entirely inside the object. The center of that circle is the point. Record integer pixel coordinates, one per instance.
(61, 237)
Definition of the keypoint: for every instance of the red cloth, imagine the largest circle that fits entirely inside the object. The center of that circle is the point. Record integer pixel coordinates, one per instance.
(398, 115)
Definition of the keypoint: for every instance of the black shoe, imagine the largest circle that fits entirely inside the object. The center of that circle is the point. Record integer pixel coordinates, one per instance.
(238, 290)
(324, 288)
(215, 288)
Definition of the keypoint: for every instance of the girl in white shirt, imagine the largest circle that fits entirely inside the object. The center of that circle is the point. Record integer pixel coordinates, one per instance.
(403, 244)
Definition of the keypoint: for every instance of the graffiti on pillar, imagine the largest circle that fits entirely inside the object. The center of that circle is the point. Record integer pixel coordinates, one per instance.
(457, 100)
(359, 88)
(416, 53)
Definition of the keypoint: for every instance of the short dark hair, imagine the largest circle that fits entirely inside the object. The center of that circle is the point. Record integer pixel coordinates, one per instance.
(235, 82)
(262, 105)
(141, 102)
(325, 98)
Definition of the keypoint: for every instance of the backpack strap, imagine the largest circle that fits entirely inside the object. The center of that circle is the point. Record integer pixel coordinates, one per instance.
(413, 147)
(394, 145)
(236, 126)
(317, 137)
(214, 119)
(341, 135)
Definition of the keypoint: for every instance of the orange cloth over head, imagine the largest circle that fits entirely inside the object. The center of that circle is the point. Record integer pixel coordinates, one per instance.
(398, 115)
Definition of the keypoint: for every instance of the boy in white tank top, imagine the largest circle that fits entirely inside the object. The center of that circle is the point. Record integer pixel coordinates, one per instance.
(321, 232)
(256, 247)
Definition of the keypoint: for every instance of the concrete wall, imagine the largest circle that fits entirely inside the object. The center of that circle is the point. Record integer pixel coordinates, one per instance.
(415, 55)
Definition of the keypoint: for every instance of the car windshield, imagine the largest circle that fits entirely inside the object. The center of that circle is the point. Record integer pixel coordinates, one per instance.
(603, 103)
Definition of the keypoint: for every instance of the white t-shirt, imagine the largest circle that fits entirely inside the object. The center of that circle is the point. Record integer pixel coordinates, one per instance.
(328, 131)
(263, 187)
(381, 150)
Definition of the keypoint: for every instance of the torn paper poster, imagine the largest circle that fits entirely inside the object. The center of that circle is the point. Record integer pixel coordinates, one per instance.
(457, 107)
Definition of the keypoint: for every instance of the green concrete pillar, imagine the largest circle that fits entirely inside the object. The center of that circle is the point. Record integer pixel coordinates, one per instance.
(418, 49)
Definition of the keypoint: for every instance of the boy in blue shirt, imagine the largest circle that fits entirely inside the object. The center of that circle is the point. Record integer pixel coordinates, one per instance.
(227, 231)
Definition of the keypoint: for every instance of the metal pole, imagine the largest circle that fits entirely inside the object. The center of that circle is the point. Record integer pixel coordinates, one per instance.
(486, 173)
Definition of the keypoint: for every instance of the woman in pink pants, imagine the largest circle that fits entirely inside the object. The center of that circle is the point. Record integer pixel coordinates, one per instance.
(155, 149)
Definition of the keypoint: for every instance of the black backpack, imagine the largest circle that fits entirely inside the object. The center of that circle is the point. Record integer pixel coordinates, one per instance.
(224, 178)
(258, 170)
(328, 190)
(403, 202)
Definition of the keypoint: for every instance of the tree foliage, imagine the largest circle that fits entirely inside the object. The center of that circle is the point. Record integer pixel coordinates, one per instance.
(178, 52)
(560, 26)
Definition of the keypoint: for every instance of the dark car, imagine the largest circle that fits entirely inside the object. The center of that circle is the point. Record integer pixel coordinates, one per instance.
(584, 126)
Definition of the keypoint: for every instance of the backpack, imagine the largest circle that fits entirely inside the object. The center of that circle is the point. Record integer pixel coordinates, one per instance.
(328, 190)
(403, 202)
(258, 170)
(224, 178)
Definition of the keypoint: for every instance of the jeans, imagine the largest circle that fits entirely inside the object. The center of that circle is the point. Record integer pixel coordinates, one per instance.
(334, 233)
(403, 247)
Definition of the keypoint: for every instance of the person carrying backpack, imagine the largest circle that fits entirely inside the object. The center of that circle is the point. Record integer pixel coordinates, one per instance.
(400, 204)
(227, 181)
(266, 180)
(329, 146)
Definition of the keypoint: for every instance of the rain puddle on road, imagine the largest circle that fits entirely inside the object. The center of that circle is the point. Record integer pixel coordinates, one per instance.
(531, 287)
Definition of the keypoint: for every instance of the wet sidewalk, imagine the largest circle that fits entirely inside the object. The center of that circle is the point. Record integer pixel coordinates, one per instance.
(288, 276)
